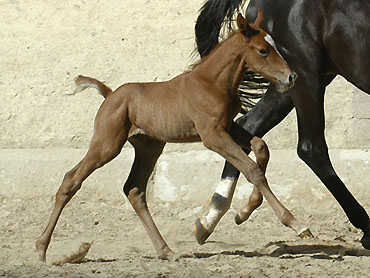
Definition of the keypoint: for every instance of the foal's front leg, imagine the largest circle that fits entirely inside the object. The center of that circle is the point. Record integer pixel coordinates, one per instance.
(223, 195)
(221, 142)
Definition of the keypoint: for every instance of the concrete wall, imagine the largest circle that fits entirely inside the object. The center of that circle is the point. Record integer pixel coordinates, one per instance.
(189, 176)
(46, 43)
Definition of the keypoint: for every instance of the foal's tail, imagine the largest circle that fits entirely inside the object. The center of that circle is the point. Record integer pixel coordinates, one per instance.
(84, 82)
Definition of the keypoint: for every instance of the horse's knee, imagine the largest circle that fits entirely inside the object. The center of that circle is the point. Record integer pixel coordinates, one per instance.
(312, 153)
(305, 151)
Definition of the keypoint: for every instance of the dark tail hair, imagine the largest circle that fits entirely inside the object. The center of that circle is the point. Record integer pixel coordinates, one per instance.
(213, 15)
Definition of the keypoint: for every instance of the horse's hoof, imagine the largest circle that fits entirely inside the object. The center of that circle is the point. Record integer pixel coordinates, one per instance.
(306, 234)
(365, 241)
(201, 233)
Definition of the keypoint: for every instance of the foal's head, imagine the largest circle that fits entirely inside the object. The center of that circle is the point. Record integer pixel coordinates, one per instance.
(261, 55)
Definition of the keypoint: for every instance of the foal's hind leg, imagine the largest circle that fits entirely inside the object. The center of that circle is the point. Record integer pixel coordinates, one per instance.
(147, 152)
(72, 182)
(106, 144)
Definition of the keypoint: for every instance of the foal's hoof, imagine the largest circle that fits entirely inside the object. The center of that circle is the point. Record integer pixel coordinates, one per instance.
(306, 234)
(239, 220)
(200, 232)
(365, 241)
(168, 255)
(41, 252)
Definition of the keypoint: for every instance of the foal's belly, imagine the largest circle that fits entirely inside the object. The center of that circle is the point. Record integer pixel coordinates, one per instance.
(162, 111)
(170, 135)
(173, 128)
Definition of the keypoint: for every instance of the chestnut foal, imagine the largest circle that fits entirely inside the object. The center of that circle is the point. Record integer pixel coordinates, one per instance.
(198, 105)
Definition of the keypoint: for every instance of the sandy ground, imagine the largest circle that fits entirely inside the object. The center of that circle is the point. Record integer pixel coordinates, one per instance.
(261, 247)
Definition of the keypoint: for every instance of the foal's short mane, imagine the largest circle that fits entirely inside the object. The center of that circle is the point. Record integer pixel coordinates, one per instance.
(252, 86)
(203, 59)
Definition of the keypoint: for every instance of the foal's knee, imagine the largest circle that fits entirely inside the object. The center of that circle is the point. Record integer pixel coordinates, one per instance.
(260, 149)
(256, 175)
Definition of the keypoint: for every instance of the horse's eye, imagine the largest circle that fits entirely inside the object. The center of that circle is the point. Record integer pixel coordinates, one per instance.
(263, 52)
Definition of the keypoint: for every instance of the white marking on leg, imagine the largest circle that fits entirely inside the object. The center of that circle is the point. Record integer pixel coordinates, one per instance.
(220, 203)
(226, 187)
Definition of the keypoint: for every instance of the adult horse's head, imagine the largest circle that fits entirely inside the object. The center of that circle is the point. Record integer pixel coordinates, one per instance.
(262, 55)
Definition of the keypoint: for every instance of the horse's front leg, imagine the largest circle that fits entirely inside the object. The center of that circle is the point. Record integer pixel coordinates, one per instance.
(220, 204)
(312, 149)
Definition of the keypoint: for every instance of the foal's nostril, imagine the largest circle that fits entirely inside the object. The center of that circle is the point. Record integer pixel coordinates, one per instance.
(292, 77)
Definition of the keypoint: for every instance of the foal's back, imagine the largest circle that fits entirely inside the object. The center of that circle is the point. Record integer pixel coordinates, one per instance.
(161, 110)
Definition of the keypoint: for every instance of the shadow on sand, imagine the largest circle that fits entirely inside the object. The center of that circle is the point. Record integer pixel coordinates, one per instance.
(292, 250)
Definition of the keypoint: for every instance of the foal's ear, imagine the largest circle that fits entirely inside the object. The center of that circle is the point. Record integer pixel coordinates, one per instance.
(240, 20)
(259, 18)
(244, 27)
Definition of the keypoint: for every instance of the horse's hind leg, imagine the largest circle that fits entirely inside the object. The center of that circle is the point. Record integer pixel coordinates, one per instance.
(106, 144)
(147, 152)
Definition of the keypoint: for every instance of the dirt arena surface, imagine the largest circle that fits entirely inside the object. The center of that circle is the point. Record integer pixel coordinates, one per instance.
(261, 247)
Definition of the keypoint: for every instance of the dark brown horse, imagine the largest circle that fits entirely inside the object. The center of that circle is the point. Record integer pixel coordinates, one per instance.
(198, 105)
(319, 39)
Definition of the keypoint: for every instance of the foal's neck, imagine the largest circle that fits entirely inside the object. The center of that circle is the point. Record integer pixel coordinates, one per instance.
(225, 66)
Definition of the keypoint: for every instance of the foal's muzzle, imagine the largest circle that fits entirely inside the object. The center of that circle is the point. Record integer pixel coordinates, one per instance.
(292, 78)
(289, 82)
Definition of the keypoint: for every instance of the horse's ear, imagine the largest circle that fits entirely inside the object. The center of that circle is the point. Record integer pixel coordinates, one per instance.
(244, 27)
(259, 18)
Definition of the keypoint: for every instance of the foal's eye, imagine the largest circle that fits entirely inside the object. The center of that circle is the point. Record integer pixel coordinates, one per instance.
(263, 52)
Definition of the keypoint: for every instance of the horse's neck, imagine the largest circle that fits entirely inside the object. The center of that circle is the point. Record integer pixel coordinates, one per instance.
(225, 66)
